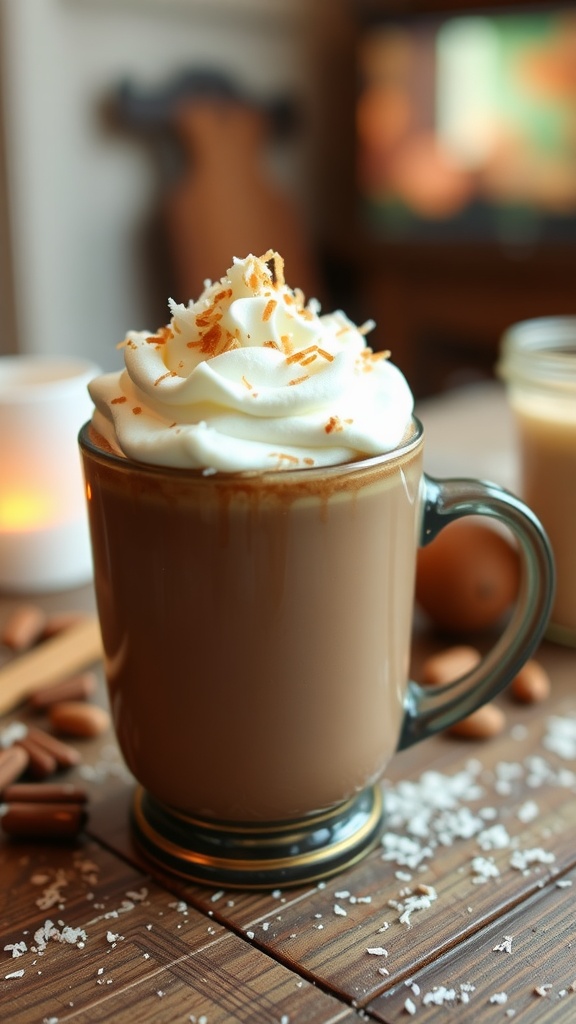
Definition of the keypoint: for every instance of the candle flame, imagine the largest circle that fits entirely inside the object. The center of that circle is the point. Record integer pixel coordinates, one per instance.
(21, 512)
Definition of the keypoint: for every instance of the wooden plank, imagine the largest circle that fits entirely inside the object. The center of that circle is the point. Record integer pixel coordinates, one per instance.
(141, 954)
(521, 966)
(226, 982)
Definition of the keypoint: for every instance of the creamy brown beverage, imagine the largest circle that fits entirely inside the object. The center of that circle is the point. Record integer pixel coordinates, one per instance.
(547, 437)
(538, 363)
(256, 499)
(256, 630)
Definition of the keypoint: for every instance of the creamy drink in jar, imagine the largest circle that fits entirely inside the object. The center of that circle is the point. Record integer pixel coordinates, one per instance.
(538, 363)
(256, 500)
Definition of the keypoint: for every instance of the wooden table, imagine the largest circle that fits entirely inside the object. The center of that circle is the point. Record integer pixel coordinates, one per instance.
(483, 831)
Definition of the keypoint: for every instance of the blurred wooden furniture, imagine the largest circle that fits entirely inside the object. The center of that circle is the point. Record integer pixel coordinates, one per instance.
(443, 312)
(467, 193)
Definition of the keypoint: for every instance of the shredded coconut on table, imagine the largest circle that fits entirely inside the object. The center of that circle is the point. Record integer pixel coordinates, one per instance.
(180, 906)
(523, 859)
(500, 998)
(527, 812)
(434, 812)
(560, 737)
(412, 902)
(48, 931)
(542, 990)
(439, 996)
(16, 948)
(494, 838)
(52, 894)
(483, 868)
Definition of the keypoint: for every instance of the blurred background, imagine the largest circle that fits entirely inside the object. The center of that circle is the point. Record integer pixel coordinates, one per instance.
(415, 162)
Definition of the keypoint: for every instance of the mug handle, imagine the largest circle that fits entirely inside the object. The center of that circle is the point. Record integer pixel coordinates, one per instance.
(428, 710)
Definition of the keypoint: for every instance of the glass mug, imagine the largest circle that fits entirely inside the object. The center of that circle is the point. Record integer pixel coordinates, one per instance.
(256, 630)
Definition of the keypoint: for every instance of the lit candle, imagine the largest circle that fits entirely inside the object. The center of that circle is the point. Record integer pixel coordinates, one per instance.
(44, 543)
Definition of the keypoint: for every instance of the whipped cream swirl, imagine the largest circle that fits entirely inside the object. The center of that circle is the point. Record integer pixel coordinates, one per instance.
(250, 377)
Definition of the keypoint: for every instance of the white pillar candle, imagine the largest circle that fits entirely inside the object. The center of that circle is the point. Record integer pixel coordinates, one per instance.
(44, 542)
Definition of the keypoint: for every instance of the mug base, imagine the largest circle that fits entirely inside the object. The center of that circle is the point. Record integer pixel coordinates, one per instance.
(257, 856)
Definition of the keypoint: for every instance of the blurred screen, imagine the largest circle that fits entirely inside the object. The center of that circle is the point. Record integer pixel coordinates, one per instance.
(466, 126)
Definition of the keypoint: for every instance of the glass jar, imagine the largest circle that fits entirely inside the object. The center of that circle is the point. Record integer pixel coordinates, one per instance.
(538, 364)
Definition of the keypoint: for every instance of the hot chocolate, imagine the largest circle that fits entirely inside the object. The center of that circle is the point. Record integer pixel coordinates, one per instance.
(256, 628)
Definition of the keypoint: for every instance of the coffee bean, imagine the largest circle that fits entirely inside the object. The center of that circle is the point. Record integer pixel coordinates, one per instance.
(24, 627)
(482, 724)
(449, 664)
(531, 684)
(76, 718)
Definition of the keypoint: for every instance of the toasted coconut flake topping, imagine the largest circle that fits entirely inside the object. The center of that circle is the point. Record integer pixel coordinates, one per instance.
(325, 355)
(248, 309)
(162, 335)
(334, 423)
(211, 339)
(366, 327)
(284, 456)
(269, 309)
(275, 265)
(307, 355)
(169, 373)
(368, 359)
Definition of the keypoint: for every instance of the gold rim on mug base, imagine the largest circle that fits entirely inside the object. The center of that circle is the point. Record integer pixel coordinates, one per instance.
(258, 856)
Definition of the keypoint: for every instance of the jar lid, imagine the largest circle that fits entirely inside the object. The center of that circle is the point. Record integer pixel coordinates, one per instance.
(541, 351)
